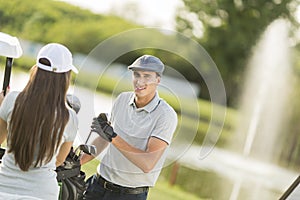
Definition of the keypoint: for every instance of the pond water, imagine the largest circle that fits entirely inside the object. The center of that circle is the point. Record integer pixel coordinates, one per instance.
(217, 175)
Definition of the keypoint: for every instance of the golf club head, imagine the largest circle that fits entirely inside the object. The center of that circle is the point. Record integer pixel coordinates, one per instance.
(74, 102)
(88, 149)
(10, 46)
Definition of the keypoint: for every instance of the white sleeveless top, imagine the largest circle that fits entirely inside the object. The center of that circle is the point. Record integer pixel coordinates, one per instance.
(37, 182)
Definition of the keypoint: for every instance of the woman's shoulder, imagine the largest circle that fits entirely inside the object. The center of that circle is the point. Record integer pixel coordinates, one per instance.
(71, 127)
(8, 104)
(12, 95)
(72, 116)
(10, 99)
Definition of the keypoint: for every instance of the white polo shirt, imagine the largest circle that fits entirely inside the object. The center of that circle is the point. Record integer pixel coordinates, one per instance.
(136, 125)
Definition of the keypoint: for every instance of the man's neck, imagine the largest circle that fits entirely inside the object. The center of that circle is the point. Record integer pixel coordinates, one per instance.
(143, 101)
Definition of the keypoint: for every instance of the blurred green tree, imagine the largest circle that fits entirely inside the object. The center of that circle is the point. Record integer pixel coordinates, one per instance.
(229, 29)
(53, 21)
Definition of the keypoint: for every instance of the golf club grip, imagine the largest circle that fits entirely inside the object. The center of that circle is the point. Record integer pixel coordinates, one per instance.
(7, 74)
(102, 117)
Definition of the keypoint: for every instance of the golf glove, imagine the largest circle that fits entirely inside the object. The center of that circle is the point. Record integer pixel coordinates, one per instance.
(101, 126)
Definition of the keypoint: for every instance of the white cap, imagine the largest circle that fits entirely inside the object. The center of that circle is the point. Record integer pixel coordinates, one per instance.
(10, 46)
(59, 56)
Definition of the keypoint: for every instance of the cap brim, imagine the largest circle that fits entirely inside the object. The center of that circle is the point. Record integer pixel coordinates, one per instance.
(74, 69)
(139, 68)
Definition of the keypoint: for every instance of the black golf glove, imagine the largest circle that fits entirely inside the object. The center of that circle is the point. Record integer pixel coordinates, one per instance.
(101, 126)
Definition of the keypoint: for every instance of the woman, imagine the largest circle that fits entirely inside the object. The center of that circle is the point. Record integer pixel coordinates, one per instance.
(39, 127)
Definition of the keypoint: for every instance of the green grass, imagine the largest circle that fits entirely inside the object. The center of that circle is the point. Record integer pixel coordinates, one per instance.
(90, 168)
(162, 189)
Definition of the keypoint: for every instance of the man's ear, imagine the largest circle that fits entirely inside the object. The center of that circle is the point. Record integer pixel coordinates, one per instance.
(158, 79)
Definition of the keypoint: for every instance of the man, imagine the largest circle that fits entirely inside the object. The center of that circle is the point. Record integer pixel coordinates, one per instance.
(141, 129)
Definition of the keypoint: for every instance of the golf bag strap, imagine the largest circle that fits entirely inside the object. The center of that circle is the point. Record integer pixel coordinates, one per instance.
(67, 173)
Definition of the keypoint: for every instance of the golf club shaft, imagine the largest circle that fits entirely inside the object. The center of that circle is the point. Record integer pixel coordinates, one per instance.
(290, 189)
(87, 139)
(102, 117)
(7, 74)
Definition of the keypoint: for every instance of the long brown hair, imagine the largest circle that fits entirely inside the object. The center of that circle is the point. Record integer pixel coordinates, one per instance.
(39, 118)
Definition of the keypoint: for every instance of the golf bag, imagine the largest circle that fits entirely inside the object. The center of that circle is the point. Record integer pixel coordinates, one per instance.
(71, 178)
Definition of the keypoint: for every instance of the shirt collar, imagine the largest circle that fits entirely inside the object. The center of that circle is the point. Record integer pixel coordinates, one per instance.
(149, 107)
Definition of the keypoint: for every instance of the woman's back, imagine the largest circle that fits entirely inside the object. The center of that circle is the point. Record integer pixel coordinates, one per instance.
(39, 126)
(37, 181)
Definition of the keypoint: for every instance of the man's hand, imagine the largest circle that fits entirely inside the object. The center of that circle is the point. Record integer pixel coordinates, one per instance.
(101, 126)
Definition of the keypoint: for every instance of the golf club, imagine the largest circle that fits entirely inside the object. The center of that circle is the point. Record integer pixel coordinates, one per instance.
(102, 117)
(292, 187)
(74, 102)
(10, 48)
(88, 149)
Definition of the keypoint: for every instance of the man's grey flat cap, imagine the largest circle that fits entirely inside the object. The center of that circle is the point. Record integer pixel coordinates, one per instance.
(147, 63)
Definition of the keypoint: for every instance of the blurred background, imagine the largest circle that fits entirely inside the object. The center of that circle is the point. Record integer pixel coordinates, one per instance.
(255, 47)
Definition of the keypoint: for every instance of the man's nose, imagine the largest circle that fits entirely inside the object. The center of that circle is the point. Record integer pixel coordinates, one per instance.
(140, 81)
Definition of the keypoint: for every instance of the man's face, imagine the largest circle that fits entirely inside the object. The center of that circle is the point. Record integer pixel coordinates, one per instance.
(145, 82)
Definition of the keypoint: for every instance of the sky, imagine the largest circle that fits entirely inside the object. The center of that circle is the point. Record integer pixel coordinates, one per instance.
(150, 13)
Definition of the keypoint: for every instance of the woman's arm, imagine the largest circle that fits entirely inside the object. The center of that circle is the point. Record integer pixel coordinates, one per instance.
(3, 130)
(63, 153)
(3, 124)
